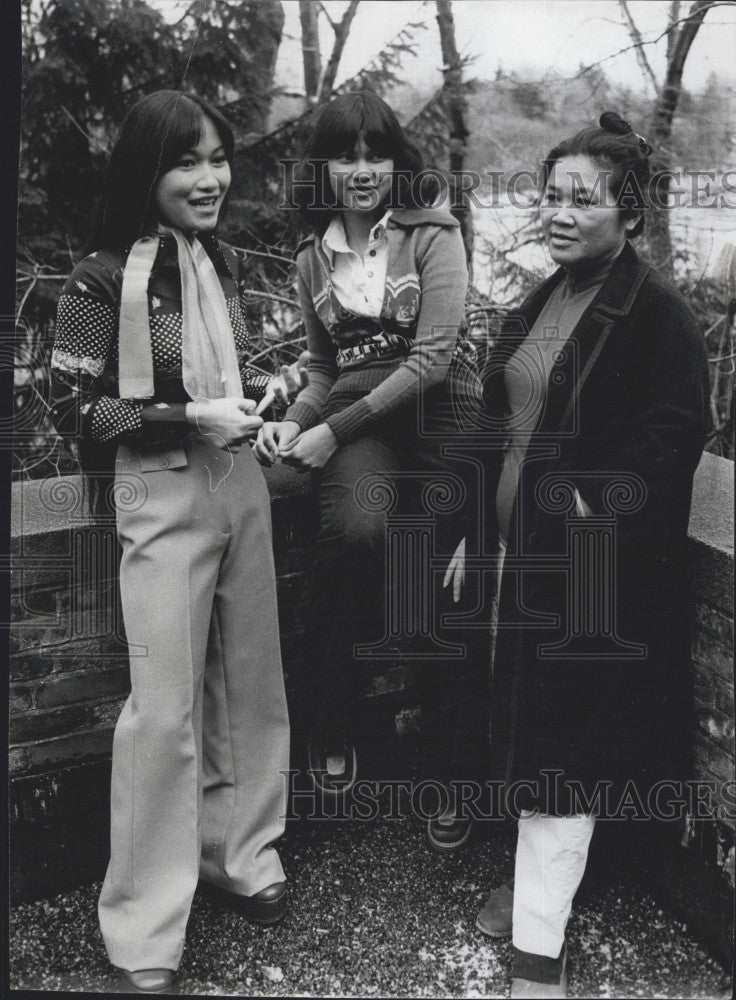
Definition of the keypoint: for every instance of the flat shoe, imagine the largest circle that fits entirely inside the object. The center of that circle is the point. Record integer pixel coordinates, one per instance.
(531, 988)
(495, 917)
(145, 981)
(264, 908)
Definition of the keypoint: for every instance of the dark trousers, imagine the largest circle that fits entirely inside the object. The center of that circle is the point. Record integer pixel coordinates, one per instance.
(397, 480)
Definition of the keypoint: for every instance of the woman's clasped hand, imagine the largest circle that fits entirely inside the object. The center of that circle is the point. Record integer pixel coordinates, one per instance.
(304, 450)
(229, 422)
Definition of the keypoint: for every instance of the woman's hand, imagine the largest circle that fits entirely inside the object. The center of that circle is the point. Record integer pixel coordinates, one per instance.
(311, 449)
(284, 388)
(456, 571)
(291, 381)
(273, 436)
(228, 421)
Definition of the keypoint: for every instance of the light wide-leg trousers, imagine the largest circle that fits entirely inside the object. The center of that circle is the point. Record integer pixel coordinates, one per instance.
(202, 745)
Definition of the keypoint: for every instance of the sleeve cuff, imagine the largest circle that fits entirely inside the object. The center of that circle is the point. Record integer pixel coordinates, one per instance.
(164, 414)
(303, 414)
(163, 423)
(348, 424)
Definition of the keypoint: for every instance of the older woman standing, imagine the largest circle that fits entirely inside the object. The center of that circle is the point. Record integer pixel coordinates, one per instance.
(602, 379)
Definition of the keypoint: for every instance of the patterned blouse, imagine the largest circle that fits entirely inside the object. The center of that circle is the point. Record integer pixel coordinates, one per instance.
(84, 364)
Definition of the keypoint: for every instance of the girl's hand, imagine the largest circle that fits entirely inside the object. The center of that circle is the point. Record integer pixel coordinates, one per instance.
(456, 571)
(311, 449)
(291, 381)
(271, 437)
(284, 388)
(228, 421)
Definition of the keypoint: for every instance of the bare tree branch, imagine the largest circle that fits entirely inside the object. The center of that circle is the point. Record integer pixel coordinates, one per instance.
(333, 24)
(87, 136)
(708, 5)
(639, 46)
(272, 296)
(342, 30)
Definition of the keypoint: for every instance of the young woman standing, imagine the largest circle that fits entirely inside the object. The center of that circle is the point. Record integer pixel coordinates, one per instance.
(150, 358)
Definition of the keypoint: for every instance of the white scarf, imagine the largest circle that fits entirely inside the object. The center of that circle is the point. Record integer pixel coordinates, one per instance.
(209, 360)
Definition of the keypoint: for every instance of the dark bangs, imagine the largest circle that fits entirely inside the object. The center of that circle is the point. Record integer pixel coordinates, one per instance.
(184, 115)
(352, 116)
(156, 132)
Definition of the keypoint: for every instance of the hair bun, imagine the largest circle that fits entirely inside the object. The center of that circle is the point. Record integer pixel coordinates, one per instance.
(613, 122)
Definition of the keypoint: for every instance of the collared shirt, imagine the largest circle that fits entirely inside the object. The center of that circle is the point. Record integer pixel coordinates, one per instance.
(359, 282)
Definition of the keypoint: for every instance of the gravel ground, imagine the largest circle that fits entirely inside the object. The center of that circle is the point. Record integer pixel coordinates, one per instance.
(375, 913)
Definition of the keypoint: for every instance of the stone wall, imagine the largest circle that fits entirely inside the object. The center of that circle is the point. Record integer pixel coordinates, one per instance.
(68, 675)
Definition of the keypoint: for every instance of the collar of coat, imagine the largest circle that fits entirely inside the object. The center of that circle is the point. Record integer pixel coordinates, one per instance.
(616, 295)
(406, 218)
(614, 300)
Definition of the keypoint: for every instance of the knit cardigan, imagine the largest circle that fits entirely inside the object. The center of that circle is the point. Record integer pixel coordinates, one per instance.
(424, 297)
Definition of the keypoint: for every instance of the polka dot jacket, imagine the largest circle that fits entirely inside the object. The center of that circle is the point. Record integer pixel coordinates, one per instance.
(84, 365)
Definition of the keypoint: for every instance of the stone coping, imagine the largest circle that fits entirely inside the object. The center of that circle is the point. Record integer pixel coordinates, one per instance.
(40, 506)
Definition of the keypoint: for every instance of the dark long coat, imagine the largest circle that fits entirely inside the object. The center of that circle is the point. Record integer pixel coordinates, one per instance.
(591, 668)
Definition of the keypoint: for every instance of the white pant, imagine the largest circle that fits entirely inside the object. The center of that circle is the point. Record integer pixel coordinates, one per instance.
(551, 853)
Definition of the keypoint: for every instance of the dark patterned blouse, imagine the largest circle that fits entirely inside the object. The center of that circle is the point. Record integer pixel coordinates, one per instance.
(84, 365)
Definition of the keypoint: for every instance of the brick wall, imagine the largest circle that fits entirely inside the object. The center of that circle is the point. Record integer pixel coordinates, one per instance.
(698, 880)
(68, 671)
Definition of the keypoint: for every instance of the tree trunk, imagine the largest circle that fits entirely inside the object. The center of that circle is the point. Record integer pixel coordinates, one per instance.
(311, 56)
(267, 22)
(456, 106)
(672, 35)
(660, 240)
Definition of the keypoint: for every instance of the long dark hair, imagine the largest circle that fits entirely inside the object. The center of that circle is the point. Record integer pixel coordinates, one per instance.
(155, 133)
(345, 120)
(614, 146)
